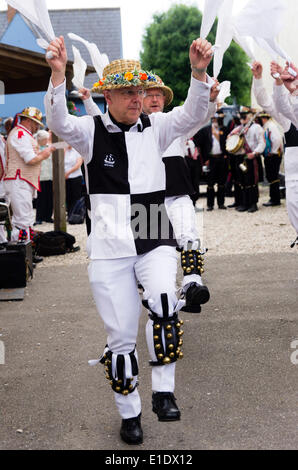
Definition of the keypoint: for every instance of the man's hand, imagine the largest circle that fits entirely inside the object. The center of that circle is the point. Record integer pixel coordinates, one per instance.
(215, 89)
(85, 93)
(250, 156)
(257, 70)
(200, 55)
(288, 79)
(59, 60)
(275, 70)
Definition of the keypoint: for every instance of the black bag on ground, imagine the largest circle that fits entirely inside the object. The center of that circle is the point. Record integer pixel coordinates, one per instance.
(54, 243)
(77, 215)
(16, 266)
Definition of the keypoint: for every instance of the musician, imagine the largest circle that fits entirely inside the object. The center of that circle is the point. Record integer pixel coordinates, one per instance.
(250, 145)
(272, 157)
(212, 140)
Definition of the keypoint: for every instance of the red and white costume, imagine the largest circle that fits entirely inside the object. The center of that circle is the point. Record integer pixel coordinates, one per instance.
(21, 179)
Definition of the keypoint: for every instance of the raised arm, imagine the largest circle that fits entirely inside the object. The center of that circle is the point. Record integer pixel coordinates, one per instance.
(265, 101)
(183, 119)
(76, 131)
(91, 107)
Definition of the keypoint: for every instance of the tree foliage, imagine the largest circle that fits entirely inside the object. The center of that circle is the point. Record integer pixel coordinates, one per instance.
(165, 51)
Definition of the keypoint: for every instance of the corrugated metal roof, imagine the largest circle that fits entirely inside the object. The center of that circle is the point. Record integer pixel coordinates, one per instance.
(99, 25)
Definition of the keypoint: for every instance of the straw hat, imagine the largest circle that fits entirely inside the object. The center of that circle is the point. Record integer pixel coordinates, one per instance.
(32, 113)
(263, 114)
(127, 73)
(167, 91)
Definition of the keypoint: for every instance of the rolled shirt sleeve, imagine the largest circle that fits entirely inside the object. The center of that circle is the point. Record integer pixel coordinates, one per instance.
(22, 143)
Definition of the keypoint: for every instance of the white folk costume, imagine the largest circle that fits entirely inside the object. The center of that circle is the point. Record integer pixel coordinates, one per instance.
(126, 181)
(272, 157)
(21, 179)
(247, 172)
(280, 108)
(179, 205)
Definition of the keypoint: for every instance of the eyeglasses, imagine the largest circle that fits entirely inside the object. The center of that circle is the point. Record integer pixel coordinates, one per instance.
(132, 93)
(153, 95)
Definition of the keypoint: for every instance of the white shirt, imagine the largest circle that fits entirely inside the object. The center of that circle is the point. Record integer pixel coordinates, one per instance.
(79, 132)
(144, 175)
(255, 139)
(23, 145)
(276, 138)
(281, 98)
(46, 167)
(71, 157)
(269, 104)
(216, 149)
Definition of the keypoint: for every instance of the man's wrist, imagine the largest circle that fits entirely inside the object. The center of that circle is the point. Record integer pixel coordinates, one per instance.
(198, 70)
(58, 78)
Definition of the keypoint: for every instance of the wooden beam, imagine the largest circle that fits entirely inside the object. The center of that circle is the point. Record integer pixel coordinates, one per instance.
(59, 188)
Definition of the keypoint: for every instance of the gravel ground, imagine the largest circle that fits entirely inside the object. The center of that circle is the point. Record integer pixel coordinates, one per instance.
(224, 232)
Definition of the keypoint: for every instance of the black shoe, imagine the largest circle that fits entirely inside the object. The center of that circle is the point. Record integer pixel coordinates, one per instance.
(163, 404)
(241, 209)
(195, 296)
(253, 208)
(38, 222)
(233, 206)
(37, 259)
(131, 431)
(209, 208)
(271, 204)
(222, 207)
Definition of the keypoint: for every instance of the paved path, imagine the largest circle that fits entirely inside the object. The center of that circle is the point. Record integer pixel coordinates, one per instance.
(236, 386)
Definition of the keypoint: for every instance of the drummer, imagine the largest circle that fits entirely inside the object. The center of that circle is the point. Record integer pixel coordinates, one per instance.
(247, 149)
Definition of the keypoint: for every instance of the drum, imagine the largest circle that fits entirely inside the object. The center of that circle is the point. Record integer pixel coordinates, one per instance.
(234, 143)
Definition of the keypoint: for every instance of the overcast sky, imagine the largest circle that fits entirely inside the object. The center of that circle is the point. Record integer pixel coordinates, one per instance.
(135, 15)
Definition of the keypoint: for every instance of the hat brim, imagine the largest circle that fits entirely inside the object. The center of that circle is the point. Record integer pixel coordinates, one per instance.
(168, 92)
(32, 119)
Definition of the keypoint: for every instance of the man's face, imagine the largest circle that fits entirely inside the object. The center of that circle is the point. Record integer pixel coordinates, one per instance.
(244, 118)
(154, 101)
(125, 104)
(32, 126)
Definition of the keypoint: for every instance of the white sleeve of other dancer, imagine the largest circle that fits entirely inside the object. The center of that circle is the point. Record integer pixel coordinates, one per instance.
(91, 107)
(182, 216)
(22, 143)
(210, 114)
(267, 104)
(283, 104)
(259, 133)
(182, 120)
(76, 131)
(275, 137)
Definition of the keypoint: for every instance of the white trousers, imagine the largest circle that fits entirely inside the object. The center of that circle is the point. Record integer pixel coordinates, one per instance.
(20, 194)
(115, 291)
(292, 202)
(182, 216)
(3, 237)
